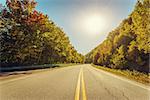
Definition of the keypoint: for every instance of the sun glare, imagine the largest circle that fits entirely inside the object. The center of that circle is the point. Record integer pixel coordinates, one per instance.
(94, 24)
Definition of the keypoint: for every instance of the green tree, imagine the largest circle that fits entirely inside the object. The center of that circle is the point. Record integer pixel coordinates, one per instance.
(127, 47)
(29, 37)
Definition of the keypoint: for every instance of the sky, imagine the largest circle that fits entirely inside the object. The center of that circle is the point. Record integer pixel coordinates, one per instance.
(86, 22)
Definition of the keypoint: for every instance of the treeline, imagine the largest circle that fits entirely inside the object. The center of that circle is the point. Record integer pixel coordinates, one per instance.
(128, 46)
(29, 37)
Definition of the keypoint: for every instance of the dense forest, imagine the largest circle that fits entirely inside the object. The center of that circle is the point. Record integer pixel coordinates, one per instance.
(128, 46)
(29, 37)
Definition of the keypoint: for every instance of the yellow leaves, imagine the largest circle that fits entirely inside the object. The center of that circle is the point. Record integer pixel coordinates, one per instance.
(132, 46)
(128, 44)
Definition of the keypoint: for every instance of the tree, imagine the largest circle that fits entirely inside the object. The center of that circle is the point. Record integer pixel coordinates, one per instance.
(118, 59)
(29, 37)
(127, 47)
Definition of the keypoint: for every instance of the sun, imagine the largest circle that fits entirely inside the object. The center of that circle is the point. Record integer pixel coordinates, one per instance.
(95, 24)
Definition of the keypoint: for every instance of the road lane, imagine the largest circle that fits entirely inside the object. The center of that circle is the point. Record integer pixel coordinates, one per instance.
(58, 84)
(103, 86)
(62, 84)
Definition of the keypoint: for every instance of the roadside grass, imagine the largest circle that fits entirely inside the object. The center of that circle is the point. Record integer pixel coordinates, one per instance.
(22, 70)
(134, 75)
(33, 67)
(10, 74)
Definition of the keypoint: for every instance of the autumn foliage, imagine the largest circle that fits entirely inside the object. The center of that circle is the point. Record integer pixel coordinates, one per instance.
(127, 47)
(29, 37)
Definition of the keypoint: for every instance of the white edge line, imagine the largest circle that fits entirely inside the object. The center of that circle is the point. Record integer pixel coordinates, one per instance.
(125, 79)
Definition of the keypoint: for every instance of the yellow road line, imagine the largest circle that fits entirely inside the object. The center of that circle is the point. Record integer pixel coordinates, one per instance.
(77, 92)
(83, 88)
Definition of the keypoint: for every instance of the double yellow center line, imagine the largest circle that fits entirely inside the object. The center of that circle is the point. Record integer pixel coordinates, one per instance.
(77, 92)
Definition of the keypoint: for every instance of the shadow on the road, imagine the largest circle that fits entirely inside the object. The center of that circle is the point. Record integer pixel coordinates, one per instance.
(4, 74)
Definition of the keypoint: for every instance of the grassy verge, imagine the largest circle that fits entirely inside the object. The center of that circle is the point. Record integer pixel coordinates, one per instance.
(11, 74)
(32, 67)
(134, 75)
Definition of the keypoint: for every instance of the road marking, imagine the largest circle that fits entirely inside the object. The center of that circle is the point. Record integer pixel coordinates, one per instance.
(124, 79)
(77, 92)
(83, 88)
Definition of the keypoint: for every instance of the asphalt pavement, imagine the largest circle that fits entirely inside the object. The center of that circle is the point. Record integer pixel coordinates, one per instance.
(78, 82)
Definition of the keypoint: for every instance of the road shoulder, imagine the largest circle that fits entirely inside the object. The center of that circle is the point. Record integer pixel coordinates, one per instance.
(125, 79)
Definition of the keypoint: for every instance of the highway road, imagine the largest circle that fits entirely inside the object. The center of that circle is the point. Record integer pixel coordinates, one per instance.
(79, 82)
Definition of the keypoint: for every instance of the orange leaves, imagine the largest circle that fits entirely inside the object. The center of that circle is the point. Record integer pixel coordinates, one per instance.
(35, 17)
(22, 11)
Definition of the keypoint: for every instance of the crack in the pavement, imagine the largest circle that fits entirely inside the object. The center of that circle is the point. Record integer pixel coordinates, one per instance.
(101, 84)
(116, 98)
(123, 94)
